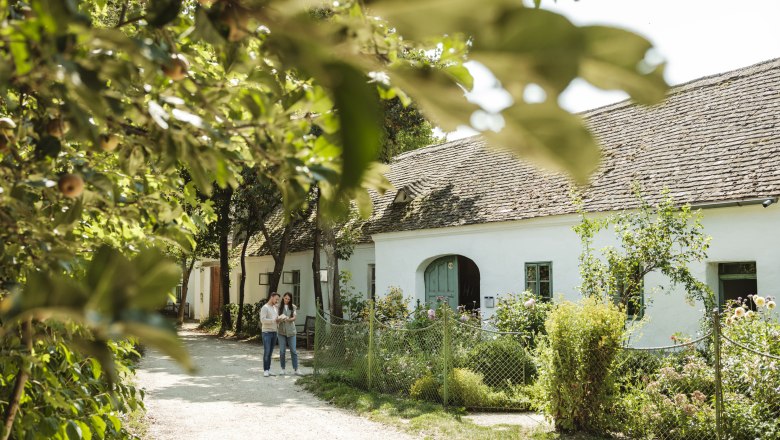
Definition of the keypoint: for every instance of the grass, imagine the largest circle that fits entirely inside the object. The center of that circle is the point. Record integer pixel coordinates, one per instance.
(135, 422)
(422, 419)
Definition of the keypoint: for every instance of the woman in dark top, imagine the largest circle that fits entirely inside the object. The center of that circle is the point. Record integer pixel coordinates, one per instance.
(287, 331)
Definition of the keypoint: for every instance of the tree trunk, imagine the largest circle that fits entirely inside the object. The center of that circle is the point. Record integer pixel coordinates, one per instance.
(21, 381)
(338, 309)
(240, 319)
(279, 256)
(315, 262)
(185, 286)
(223, 217)
(334, 294)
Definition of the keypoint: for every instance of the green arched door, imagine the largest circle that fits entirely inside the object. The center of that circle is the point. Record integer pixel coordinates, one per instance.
(441, 280)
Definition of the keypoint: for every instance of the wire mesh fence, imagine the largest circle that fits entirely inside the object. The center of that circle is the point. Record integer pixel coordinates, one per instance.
(442, 360)
(666, 392)
(718, 386)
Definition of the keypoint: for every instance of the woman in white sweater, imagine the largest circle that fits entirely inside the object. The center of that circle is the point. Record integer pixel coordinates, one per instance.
(269, 318)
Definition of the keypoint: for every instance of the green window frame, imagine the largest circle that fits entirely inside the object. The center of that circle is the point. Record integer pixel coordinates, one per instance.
(296, 288)
(539, 278)
(735, 270)
(372, 281)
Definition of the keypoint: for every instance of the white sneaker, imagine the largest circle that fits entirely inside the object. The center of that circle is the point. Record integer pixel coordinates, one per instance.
(283, 373)
(266, 373)
(298, 373)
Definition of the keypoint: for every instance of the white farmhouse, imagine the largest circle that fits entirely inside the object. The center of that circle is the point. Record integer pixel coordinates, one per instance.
(472, 223)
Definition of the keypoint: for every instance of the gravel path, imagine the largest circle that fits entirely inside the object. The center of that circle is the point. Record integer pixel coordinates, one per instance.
(229, 399)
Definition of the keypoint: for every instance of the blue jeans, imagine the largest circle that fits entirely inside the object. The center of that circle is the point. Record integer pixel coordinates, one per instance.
(269, 340)
(284, 341)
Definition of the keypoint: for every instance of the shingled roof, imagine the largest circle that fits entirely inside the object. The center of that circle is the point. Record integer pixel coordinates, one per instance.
(713, 139)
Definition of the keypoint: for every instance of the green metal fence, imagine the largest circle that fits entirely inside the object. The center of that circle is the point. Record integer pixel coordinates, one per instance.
(714, 387)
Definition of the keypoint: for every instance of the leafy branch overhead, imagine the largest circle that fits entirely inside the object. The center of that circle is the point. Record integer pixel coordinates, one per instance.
(109, 108)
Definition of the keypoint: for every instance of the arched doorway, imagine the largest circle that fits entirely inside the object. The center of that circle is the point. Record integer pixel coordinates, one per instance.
(454, 278)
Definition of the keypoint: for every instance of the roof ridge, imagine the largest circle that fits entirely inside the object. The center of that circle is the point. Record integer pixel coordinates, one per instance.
(433, 147)
(695, 83)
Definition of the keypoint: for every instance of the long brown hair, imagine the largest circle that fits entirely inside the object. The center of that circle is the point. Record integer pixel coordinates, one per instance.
(281, 303)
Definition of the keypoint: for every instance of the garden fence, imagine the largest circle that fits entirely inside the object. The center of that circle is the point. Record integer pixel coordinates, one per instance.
(709, 388)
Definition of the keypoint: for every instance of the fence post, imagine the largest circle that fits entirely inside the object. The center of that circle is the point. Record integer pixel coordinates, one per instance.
(718, 378)
(370, 343)
(318, 329)
(446, 352)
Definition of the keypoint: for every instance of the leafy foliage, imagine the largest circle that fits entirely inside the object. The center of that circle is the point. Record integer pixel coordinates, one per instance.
(51, 397)
(502, 362)
(662, 238)
(523, 313)
(577, 361)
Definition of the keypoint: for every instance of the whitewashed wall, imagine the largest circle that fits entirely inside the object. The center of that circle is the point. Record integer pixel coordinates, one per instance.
(501, 250)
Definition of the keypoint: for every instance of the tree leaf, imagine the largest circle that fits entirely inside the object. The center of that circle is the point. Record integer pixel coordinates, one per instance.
(527, 45)
(98, 425)
(155, 331)
(360, 115)
(549, 136)
(614, 59)
(73, 430)
(438, 96)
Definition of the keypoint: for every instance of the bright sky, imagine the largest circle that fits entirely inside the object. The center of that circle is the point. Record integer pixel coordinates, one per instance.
(696, 38)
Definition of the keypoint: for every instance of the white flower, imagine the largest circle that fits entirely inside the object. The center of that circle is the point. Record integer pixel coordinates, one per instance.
(739, 312)
(750, 314)
(530, 304)
(759, 300)
(771, 305)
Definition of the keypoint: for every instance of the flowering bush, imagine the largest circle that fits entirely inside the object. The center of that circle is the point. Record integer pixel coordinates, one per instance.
(751, 381)
(522, 313)
(392, 308)
(672, 402)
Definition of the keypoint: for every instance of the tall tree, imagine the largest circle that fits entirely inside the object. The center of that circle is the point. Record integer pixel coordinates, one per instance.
(404, 128)
(257, 203)
(222, 201)
(316, 241)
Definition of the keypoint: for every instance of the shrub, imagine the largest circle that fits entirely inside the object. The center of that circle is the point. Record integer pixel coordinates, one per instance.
(426, 388)
(577, 358)
(466, 388)
(634, 367)
(513, 315)
(392, 308)
(399, 372)
(354, 303)
(503, 362)
(674, 403)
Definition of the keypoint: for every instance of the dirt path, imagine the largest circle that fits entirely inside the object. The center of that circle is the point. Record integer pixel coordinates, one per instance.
(229, 399)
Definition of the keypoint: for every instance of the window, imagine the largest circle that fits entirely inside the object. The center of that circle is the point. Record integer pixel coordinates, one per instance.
(296, 287)
(178, 294)
(631, 294)
(372, 281)
(737, 280)
(538, 278)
